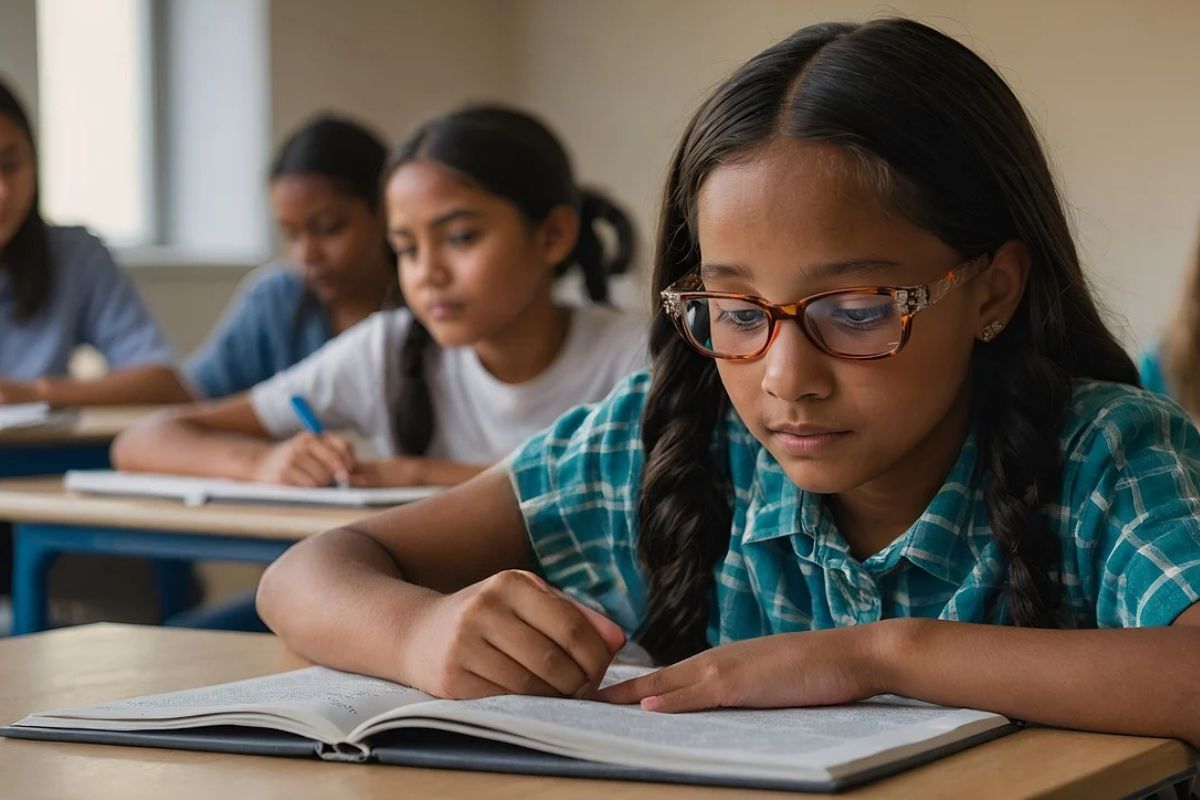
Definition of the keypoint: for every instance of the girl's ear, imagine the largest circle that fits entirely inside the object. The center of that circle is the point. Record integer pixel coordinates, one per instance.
(557, 234)
(1001, 288)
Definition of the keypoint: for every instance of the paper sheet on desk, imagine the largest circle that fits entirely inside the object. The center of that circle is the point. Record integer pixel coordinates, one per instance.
(196, 491)
(35, 415)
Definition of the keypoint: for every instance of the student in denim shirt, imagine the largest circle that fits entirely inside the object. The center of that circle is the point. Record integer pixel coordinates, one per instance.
(59, 289)
(338, 268)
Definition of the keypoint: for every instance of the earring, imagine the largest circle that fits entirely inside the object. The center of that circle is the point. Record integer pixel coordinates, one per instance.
(992, 331)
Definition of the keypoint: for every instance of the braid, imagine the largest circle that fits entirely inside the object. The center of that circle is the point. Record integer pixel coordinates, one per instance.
(414, 420)
(1021, 451)
(589, 248)
(685, 511)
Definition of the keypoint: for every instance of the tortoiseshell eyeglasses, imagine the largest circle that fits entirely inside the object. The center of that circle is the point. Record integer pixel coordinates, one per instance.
(859, 323)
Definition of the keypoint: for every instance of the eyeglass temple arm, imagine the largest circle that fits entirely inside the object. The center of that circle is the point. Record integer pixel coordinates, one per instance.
(921, 297)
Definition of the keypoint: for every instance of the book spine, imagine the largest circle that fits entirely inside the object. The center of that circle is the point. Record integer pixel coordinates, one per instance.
(344, 751)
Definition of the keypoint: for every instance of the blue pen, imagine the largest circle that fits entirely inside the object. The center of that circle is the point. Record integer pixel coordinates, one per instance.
(307, 418)
(311, 424)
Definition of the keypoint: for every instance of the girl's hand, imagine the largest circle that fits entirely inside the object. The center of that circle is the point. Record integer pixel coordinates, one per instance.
(786, 670)
(307, 459)
(12, 392)
(398, 471)
(511, 633)
(413, 471)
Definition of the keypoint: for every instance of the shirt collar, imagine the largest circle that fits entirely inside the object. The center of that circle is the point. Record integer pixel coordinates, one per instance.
(943, 541)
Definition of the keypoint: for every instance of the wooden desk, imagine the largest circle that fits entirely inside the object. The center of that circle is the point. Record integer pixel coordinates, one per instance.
(54, 450)
(48, 520)
(95, 424)
(102, 662)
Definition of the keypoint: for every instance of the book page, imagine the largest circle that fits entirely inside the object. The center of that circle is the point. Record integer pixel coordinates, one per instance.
(328, 703)
(785, 743)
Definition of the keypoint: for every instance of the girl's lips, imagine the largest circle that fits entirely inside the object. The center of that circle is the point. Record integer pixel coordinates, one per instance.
(805, 441)
(443, 311)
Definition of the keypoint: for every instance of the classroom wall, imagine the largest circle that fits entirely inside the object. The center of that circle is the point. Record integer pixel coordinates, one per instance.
(1113, 84)
(18, 48)
(392, 63)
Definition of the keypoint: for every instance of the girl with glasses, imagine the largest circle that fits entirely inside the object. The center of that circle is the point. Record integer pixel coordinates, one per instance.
(886, 443)
(483, 214)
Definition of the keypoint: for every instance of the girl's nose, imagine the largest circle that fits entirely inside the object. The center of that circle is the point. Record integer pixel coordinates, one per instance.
(305, 250)
(795, 368)
(431, 268)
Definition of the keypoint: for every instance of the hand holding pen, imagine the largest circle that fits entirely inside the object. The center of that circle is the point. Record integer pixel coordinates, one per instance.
(313, 458)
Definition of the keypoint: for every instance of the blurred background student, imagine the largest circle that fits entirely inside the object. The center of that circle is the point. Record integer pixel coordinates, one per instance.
(338, 268)
(59, 289)
(1171, 366)
(484, 215)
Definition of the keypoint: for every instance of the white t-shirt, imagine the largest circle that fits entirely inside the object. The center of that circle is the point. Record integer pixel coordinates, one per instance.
(353, 382)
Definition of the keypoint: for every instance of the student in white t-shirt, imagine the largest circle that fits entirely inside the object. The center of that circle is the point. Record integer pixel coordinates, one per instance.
(484, 215)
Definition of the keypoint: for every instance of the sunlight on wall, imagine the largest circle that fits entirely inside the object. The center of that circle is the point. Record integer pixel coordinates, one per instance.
(94, 116)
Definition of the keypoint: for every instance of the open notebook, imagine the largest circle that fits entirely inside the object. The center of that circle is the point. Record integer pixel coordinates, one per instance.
(35, 415)
(197, 491)
(344, 717)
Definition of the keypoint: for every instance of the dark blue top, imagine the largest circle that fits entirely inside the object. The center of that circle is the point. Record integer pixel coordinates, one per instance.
(264, 331)
(93, 302)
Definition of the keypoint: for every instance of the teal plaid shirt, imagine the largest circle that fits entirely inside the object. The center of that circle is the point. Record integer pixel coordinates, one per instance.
(1127, 525)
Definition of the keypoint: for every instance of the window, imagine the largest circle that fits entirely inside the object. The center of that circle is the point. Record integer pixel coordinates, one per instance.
(95, 131)
(154, 125)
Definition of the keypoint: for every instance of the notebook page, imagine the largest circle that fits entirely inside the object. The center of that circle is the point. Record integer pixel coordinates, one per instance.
(34, 415)
(195, 491)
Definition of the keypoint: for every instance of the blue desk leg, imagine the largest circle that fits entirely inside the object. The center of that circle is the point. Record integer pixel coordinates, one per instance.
(173, 580)
(36, 546)
(32, 561)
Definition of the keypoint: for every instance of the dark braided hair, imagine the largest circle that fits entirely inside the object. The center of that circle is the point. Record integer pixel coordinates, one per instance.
(950, 149)
(27, 254)
(352, 159)
(513, 156)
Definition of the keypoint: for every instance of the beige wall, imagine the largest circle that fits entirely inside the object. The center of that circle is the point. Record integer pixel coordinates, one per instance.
(1113, 84)
(393, 63)
(18, 49)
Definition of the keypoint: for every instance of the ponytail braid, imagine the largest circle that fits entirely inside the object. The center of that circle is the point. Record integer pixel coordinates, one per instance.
(1020, 448)
(589, 249)
(414, 421)
(685, 512)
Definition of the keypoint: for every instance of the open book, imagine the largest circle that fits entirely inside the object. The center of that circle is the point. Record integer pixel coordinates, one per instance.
(197, 491)
(19, 416)
(345, 717)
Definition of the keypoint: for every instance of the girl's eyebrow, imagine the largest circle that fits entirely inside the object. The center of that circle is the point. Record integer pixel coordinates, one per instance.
(451, 216)
(444, 219)
(821, 271)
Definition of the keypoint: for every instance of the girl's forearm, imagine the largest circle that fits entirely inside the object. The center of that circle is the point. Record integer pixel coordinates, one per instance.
(437, 472)
(180, 447)
(1140, 681)
(139, 385)
(423, 471)
(339, 599)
